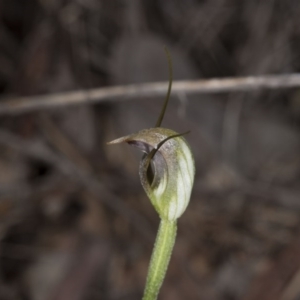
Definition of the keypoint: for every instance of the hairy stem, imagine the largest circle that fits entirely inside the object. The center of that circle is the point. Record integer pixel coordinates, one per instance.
(160, 258)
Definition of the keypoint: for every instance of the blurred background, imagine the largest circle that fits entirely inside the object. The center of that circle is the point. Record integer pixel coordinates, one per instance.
(74, 220)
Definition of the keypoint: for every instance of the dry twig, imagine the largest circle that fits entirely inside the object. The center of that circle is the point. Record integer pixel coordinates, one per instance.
(20, 105)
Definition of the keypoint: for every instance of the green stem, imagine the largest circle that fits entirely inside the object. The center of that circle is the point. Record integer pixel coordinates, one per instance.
(160, 258)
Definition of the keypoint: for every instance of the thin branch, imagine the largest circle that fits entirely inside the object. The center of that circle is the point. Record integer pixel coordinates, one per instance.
(20, 105)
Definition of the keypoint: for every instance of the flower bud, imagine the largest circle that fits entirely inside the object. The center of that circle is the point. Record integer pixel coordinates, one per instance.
(168, 179)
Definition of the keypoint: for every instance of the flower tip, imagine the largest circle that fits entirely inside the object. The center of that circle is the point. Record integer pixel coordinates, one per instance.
(118, 141)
